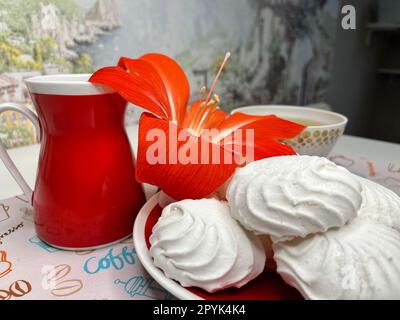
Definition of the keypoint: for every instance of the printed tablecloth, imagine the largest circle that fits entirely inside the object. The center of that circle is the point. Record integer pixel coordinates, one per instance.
(30, 269)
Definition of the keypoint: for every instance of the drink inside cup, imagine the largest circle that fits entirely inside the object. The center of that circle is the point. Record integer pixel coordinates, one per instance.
(305, 122)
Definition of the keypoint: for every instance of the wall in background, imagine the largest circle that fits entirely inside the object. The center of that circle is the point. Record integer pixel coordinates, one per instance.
(282, 50)
(354, 72)
(369, 99)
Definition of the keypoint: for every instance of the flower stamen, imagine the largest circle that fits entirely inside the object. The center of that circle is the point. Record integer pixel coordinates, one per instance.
(203, 92)
(209, 107)
(227, 56)
(210, 103)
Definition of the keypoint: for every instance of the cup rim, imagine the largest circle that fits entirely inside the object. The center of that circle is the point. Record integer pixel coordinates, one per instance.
(66, 84)
(342, 122)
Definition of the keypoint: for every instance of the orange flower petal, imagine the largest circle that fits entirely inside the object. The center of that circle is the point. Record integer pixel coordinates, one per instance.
(216, 119)
(175, 82)
(149, 75)
(260, 150)
(263, 142)
(131, 87)
(270, 127)
(178, 180)
(191, 113)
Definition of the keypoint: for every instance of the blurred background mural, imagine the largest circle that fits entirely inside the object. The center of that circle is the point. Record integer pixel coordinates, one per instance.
(283, 52)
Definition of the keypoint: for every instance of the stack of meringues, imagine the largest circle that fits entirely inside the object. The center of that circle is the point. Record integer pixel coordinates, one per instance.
(332, 234)
(335, 235)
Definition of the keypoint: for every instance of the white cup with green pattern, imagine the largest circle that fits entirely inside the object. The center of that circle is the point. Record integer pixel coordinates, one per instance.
(324, 128)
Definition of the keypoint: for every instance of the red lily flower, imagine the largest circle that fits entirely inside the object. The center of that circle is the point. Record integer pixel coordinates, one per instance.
(157, 83)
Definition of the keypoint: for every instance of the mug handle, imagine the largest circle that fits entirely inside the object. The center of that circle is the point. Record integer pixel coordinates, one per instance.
(4, 154)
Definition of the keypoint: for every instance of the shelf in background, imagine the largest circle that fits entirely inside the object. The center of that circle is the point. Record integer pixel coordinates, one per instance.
(380, 26)
(389, 71)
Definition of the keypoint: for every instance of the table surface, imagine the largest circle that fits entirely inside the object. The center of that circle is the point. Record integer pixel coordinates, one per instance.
(31, 269)
(26, 158)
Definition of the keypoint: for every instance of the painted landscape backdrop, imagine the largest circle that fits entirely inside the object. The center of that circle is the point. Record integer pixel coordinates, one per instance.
(282, 50)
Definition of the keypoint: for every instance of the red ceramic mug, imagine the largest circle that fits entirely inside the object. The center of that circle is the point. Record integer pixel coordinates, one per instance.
(85, 193)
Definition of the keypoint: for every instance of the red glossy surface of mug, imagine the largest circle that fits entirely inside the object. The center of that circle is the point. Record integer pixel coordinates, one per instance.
(85, 193)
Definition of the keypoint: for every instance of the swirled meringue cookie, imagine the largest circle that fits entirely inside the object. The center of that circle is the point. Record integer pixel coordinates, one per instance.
(379, 204)
(198, 243)
(360, 260)
(293, 196)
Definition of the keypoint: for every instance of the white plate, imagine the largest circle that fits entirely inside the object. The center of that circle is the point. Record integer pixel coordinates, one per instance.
(147, 261)
(266, 287)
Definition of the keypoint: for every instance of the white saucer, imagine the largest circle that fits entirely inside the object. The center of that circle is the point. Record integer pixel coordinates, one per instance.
(143, 254)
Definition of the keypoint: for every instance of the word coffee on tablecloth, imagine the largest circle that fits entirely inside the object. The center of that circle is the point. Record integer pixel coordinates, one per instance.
(31, 269)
